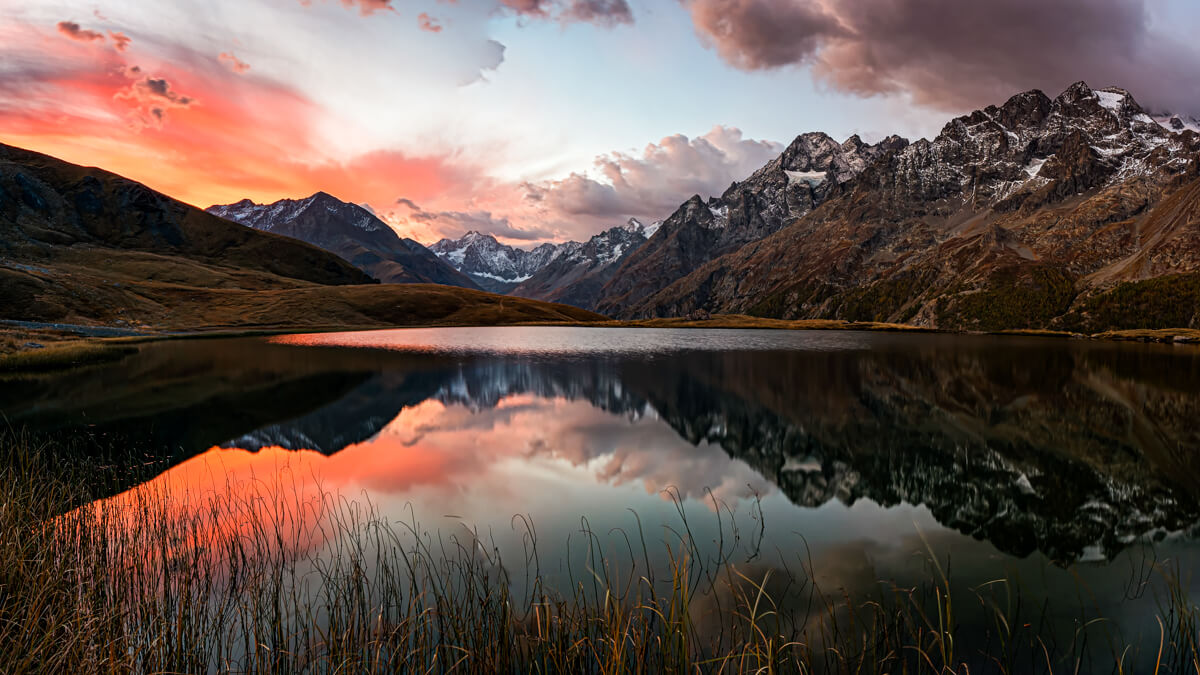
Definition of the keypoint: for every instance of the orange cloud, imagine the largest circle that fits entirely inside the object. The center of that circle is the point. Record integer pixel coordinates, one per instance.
(365, 7)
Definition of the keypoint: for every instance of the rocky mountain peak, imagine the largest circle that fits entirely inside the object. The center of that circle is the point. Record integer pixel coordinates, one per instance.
(494, 266)
(1024, 110)
(476, 235)
(994, 157)
(1080, 91)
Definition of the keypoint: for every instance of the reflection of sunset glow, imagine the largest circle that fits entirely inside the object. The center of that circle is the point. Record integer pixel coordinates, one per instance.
(434, 456)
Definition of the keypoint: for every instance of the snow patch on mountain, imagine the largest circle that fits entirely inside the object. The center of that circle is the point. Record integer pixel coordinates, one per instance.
(810, 177)
(1177, 123)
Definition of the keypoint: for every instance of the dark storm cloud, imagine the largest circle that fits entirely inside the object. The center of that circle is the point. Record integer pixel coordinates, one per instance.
(756, 34)
(954, 54)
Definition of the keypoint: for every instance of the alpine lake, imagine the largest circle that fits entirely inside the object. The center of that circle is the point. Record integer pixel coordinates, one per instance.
(1050, 487)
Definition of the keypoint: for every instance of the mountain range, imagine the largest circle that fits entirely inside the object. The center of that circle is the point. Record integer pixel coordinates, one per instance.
(578, 272)
(571, 272)
(1078, 213)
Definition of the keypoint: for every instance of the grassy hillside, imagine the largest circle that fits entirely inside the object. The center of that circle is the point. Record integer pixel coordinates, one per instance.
(83, 246)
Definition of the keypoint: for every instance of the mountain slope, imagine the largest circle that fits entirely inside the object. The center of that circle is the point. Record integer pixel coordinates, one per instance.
(580, 270)
(813, 169)
(50, 208)
(1013, 216)
(495, 267)
(349, 231)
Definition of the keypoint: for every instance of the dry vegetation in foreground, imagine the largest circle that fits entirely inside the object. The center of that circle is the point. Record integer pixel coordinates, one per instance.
(64, 354)
(1180, 335)
(233, 587)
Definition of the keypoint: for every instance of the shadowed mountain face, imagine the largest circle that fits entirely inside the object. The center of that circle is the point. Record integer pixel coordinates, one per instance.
(579, 271)
(47, 205)
(1074, 450)
(351, 232)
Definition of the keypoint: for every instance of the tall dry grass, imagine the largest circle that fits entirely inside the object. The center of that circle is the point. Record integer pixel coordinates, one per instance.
(255, 582)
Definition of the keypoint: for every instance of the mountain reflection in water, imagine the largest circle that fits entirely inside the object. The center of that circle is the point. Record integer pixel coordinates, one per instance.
(1071, 449)
(1064, 464)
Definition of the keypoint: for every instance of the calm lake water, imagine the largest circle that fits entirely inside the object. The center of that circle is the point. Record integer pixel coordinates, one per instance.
(1068, 467)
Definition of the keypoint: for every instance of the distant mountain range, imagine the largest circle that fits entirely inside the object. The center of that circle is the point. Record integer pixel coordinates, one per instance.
(1079, 212)
(577, 273)
(810, 170)
(350, 231)
(572, 272)
(493, 266)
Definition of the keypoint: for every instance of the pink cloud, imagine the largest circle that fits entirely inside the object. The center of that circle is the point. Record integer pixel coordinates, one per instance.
(234, 63)
(77, 32)
(151, 97)
(428, 23)
(120, 40)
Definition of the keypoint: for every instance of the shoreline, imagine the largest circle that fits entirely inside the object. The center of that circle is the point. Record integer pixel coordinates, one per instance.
(63, 346)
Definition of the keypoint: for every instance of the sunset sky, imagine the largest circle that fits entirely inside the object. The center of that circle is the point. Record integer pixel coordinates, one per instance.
(536, 119)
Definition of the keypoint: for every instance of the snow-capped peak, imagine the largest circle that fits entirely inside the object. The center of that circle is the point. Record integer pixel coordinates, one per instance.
(1177, 123)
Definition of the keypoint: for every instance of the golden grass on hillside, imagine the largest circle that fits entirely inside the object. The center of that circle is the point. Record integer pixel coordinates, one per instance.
(154, 292)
